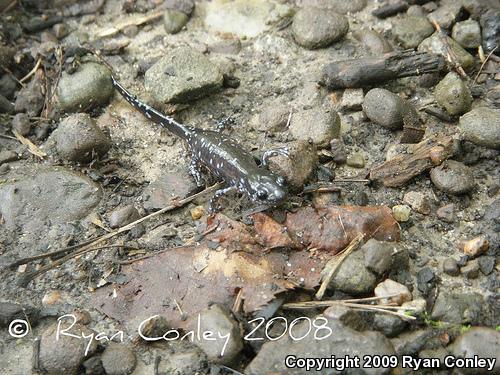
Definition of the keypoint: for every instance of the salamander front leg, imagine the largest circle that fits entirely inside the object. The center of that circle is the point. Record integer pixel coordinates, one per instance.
(212, 208)
(195, 171)
(274, 152)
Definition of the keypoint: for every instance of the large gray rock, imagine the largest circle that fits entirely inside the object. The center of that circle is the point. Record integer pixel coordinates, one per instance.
(118, 359)
(89, 87)
(182, 75)
(458, 308)
(467, 33)
(482, 127)
(411, 30)
(453, 177)
(384, 108)
(316, 124)
(352, 276)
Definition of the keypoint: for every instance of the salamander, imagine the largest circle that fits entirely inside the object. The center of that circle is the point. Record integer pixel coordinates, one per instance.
(223, 157)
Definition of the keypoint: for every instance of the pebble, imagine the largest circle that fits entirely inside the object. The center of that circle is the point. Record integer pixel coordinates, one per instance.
(216, 319)
(356, 160)
(384, 108)
(453, 177)
(377, 255)
(418, 202)
(453, 94)
(339, 6)
(174, 21)
(471, 269)
(352, 277)
(467, 33)
(482, 127)
(450, 267)
(10, 311)
(483, 342)
(411, 31)
(490, 25)
(6, 106)
(486, 264)
(185, 6)
(298, 167)
(93, 366)
(326, 126)
(186, 362)
(89, 87)
(183, 74)
(426, 279)
(415, 11)
(30, 98)
(446, 14)
(6, 156)
(389, 325)
(347, 316)
(78, 138)
(273, 118)
(372, 40)
(338, 151)
(434, 44)
(60, 30)
(475, 247)
(8, 86)
(390, 287)
(231, 46)
(197, 212)
(401, 212)
(446, 213)
(314, 28)
(131, 31)
(118, 359)
(63, 355)
(21, 124)
(352, 99)
(123, 216)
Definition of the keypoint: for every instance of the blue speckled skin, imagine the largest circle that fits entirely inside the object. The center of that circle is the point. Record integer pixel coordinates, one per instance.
(223, 156)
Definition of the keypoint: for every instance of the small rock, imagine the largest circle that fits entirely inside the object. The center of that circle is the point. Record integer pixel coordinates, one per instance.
(186, 362)
(389, 325)
(30, 98)
(486, 264)
(384, 108)
(450, 267)
(482, 342)
(298, 167)
(6, 156)
(62, 354)
(446, 213)
(123, 216)
(378, 255)
(60, 30)
(457, 308)
(8, 86)
(5, 105)
(411, 31)
(21, 124)
(426, 279)
(471, 269)
(482, 127)
(174, 21)
(89, 87)
(490, 26)
(338, 151)
(131, 31)
(372, 40)
(418, 201)
(93, 366)
(356, 160)
(230, 46)
(352, 99)
(347, 316)
(467, 33)
(401, 212)
(326, 126)
(418, 306)
(415, 11)
(185, 6)
(475, 247)
(453, 177)
(183, 74)
(78, 138)
(399, 292)
(352, 277)
(339, 6)
(117, 359)
(197, 212)
(328, 27)
(273, 118)
(446, 14)
(10, 311)
(453, 94)
(216, 319)
(54, 297)
(435, 44)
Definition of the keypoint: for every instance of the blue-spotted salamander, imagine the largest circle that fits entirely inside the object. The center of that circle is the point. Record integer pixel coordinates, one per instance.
(223, 156)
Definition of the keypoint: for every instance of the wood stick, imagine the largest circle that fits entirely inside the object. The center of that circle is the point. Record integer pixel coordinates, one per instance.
(390, 9)
(369, 71)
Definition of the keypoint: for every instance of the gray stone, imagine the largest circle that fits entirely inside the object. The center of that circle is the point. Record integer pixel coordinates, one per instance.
(78, 138)
(314, 28)
(482, 342)
(435, 44)
(490, 25)
(6, 156)
(174, 21)
(453, 177)
(411, 343)
(352, 99)
(342, 341)
(352, 277)
(183, 74)
(118, 359)
(372, 40)
(185, 6)
(273, 118)
(8, 86)
(218, 320)
(418, 202)
(338, 151)
(50, 197)
(316, 124)
(186, 362)
(482, 127)
(5, 105)
(349, 317)
(467, 33)
(486, 264)
(384, 108)
(458, 308)
(415, 11)
(339, 6)
(446, 213)
(411, 31)
(21, 124)
(453, 94)
(378, 255)
(356, 160)
(63, 354)
(123, 216)
(30, 98)
(446, 14)
(471, 269)
(395, 292)
(389, 325)
(450, 267)
(89, 87)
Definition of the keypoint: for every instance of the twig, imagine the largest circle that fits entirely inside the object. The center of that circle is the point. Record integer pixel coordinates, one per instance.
(335, 262)
(8, 137)
(32, 148)
(9, 7)
(450, 55)
(8, 71)
(483, 64)
(232, 370)
(24, 281)
(128, 22)
(32, 72)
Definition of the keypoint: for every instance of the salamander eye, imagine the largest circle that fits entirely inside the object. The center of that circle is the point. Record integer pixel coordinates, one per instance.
(281, 181)
(261, 194)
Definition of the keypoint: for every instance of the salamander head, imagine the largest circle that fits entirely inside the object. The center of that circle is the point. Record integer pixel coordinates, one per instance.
(268, 189)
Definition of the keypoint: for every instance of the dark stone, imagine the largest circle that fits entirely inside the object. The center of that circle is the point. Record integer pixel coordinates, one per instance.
(450, 267)
(486, 264)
